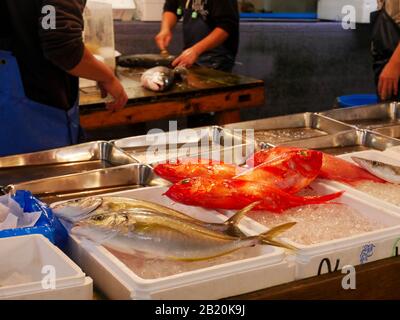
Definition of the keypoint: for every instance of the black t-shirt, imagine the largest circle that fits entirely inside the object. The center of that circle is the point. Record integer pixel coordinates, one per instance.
(221, 13)
(44, 55)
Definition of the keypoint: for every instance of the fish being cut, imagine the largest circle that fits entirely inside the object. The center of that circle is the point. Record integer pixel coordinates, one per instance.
(160, 79)
(166, 236)
(145, 60)
(75, 210)
(385, 171)
(233, 194)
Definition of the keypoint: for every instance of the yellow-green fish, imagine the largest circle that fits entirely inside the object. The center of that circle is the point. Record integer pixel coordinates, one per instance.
(166, 236)
(77, 209)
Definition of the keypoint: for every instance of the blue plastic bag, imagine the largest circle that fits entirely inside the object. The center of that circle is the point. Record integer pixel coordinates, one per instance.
(47, 225)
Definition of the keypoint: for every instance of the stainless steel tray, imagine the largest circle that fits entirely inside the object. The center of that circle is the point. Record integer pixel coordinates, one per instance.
(392, 131)
(61, 162)
(347, 142)
(367, 117)
(89, 183)
(278, 130)
(207, 142)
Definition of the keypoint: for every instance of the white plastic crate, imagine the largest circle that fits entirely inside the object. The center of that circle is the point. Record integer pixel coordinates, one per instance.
(332, 9)
(25, 262)
(268, 268)
(312, 260)
(149, 10)
(272, 267)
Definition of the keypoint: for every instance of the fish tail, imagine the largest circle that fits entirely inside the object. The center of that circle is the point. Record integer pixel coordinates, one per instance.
(323, 199)
(235, 220)
(269, 237)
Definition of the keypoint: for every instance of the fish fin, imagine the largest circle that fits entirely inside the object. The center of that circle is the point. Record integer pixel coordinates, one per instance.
(322, 199)
(276, 231)
(235, 219)
(279, 244)
(269, 236)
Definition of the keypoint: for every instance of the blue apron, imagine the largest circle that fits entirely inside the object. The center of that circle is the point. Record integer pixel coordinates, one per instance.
(27, 126)
(195, 29)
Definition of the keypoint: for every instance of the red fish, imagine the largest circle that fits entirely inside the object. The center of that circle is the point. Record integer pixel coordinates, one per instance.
(270, 154)
(291, 171)
(333, 168)
(230, 194)
(337, 169)
(190, 168)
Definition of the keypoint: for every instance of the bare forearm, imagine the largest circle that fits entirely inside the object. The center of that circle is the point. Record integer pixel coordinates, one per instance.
(169, 21)
(395, 59)
(91, 68)
(217, 37)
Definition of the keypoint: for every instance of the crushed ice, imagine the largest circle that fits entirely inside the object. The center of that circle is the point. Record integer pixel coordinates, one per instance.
(384, 191)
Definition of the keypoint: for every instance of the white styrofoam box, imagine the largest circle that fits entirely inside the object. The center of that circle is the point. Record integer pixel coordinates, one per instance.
(332, 9)
(348, 251)
(386, 156)
(26, 261)
(117, 281)
(149, 10)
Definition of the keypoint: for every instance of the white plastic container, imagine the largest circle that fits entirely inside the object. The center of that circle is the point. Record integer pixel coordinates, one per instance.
(268, 268)
(313, 260)
(149, 10)
(99, 31)
(333, 9)
(123, 10)
(27, 265)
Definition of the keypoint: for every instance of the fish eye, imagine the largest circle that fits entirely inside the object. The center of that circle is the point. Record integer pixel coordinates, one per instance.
(99, 217)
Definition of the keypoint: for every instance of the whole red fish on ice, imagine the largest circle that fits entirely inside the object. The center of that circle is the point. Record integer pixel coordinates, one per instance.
(274, 178)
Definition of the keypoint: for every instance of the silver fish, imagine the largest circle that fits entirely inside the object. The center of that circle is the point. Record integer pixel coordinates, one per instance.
(166, 236)
(385, 171)
(75, 210)
(160, 79)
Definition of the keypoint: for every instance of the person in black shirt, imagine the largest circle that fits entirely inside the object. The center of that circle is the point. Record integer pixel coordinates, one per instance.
(39, 70)
(210, 28)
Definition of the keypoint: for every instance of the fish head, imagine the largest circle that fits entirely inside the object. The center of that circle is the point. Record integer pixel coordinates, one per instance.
(270, 154)
(107, 220)
(182, 190)
(75, 210)
(157, 79)
(307, 162)
(365, 163)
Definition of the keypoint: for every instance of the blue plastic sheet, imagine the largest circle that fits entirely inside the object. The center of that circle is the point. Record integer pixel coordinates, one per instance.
(356, 100)
(47, 225)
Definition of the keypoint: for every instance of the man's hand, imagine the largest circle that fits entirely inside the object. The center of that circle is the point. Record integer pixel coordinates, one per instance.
(187, 59)
(389, 81)
(163, 39)
(117, 91)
